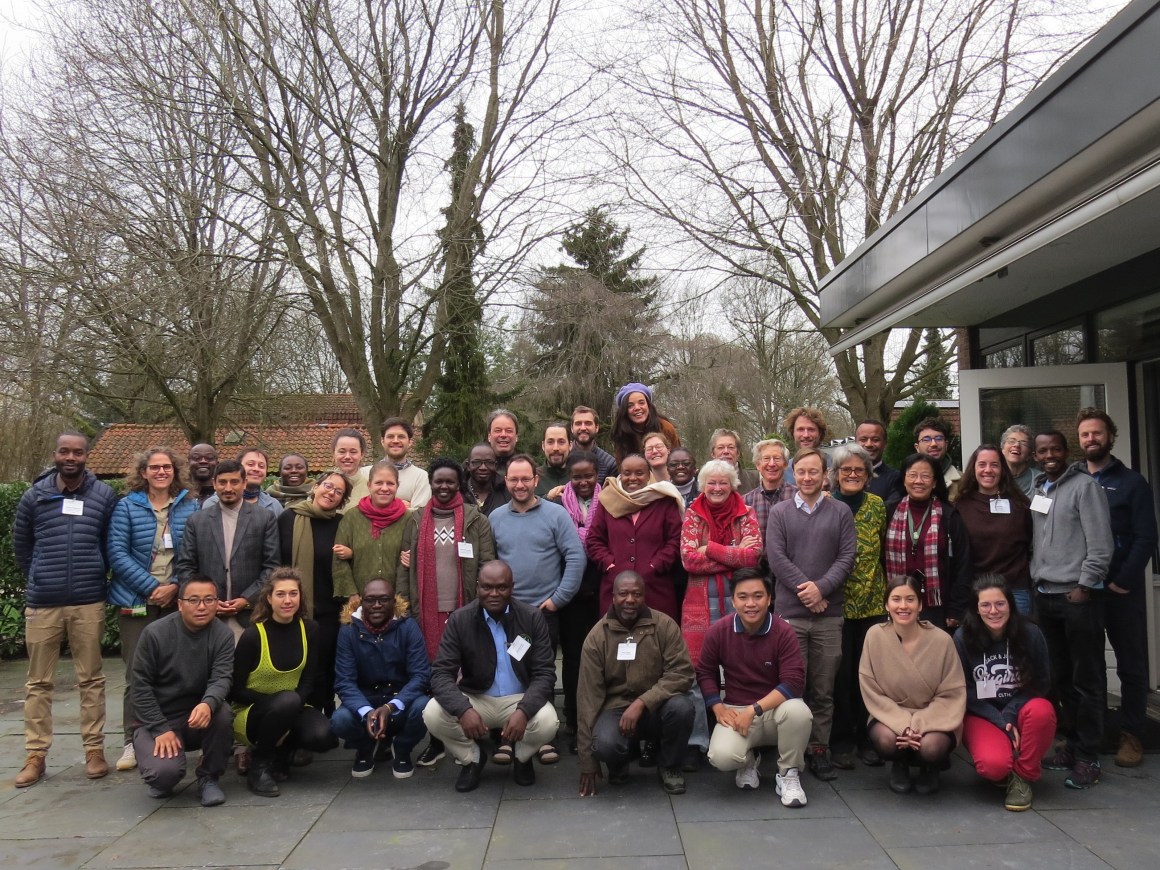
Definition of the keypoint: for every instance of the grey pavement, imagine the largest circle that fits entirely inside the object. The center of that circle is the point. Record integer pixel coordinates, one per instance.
(325, 819)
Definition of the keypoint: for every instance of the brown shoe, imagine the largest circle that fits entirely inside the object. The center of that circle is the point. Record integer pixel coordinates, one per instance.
(32, 771)
(1131, 752)
(95, 764)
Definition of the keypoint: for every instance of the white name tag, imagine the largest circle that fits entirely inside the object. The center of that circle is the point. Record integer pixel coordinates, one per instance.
(1000, 506)
(986, 689)
(1041, 504)
(72, 507)
(518, 648)
(466, 551)
(626, 652)
(167, 541)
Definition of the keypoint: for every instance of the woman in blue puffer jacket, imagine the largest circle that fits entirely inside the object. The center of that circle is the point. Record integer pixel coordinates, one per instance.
(144, 534)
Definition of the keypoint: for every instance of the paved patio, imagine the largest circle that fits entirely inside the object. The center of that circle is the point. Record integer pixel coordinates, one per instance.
(324, 819)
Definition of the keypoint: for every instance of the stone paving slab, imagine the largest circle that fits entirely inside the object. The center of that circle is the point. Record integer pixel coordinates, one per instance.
(1125, 837)
(394, 850)
(663, 862)
(1012, 856)
(796, 843)
(56, 854)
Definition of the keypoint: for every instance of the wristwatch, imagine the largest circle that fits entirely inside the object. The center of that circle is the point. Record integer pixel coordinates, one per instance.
(757, 710)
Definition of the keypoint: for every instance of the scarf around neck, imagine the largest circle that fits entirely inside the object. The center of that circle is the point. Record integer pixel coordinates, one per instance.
(578, 511)
(900, 544)
(289, 494)
(380, 518)
(618, 502)
(720, 517)
(425, 568)
(302, 546)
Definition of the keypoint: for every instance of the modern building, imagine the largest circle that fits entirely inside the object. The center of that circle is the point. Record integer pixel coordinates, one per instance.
(1043, 241)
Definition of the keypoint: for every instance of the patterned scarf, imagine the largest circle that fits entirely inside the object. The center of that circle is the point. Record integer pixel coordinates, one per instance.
(380, 518)
(428, 610)
(577, 511)
(900, 546)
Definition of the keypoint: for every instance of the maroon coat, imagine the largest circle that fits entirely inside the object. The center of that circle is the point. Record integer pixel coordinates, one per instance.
(651, 547)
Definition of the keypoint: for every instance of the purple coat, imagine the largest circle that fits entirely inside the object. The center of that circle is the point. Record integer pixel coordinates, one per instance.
(651, 547)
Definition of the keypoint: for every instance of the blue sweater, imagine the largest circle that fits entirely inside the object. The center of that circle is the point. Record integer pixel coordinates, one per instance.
(62, 555)
(131, 533)
(543, 549)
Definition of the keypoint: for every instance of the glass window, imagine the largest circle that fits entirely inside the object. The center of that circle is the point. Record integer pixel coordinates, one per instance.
(1007, 358)
(1130, 331)
(1039, 408)
(1061, 348)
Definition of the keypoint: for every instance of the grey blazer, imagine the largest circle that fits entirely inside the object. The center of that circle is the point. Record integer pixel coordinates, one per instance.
(255, 553)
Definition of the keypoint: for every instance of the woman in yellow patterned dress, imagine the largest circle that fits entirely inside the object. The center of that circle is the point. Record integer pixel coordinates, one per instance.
(850, 471)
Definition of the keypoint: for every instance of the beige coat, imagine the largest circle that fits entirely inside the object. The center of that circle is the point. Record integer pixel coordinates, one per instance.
(926, 692)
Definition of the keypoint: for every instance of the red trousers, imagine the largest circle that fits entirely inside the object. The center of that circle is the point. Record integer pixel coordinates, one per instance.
(993, 752)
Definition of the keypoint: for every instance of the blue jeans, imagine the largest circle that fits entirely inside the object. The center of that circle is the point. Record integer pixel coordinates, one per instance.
(404, 729)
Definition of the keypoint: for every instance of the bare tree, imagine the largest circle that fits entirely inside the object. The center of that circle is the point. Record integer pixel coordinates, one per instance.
(785, 133)
(337, 102)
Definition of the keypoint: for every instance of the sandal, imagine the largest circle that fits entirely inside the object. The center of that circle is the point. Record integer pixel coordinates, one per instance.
(548, 754)
(504, 753)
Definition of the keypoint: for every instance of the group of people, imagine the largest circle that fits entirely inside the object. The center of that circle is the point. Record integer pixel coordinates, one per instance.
(823, 605)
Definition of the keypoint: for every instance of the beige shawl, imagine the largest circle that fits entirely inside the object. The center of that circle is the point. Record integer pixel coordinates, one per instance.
(619, 503)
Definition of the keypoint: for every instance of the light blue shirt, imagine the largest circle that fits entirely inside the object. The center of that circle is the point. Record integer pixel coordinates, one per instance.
(801, 504)
(506, 682)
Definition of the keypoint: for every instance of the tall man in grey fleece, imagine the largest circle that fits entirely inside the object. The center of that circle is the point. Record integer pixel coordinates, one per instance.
(810, 541)
(1072, 551)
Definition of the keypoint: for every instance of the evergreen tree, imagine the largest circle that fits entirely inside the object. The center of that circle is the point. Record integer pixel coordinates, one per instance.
(462, 395)
(596, 244)
(900, 433)
(934, 374)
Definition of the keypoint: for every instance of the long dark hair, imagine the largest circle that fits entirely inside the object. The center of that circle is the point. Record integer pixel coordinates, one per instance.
(626, 438)
(978, 637)
(263, 610)
(1008, 488)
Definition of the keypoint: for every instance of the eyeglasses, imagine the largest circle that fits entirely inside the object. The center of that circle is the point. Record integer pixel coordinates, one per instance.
(771, 460)
(681, 463)
(481, 463)
(932, 439)
(208, 601)
(992, 605)
(376, 600)
(1015, 442)
(158, 468)
(918, 478)
(330, 487)
(519, 481)
(852, 472)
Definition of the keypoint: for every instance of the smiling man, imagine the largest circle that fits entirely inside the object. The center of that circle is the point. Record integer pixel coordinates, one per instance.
(556, 446)
(932, 436)
(397, 439)
(886, 482)
(503, 431)
(755, 653)
(585, 428)
(1071, 553)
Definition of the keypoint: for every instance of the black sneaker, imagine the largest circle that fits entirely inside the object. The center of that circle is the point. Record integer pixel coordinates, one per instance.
(401, 767)
(820, 763)
(1085, 774)
(434, 751)
(364, 763)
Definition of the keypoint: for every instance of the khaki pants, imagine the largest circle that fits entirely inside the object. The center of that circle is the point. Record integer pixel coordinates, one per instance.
(45, 628)
(820, 642)
(787, 726)
(494, 711)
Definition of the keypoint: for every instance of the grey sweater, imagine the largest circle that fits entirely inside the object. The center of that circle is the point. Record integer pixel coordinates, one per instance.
(1073, 540)
(175, 669)
(819, 546)
(543, 549)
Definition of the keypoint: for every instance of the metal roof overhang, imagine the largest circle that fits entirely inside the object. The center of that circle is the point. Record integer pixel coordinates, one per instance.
(1064, 187)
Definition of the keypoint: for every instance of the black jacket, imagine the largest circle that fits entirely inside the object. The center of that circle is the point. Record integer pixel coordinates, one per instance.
(468, 647)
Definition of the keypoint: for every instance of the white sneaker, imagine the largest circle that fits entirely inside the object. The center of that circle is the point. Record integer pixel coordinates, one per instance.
(748, 776)
(128, 759)
(789, 787)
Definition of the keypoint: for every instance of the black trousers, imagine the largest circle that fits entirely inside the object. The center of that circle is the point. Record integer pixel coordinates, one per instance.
(1079, 681)
(670, 725)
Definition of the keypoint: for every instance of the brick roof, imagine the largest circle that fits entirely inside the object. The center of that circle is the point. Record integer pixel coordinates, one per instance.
(113, 452)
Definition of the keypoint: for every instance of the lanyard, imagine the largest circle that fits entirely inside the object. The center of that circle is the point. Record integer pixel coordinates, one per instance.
(916, 534)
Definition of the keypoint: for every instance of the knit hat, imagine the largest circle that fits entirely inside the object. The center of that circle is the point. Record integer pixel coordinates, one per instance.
(628, 389)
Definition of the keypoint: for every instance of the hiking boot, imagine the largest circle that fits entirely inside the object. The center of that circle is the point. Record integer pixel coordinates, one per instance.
(261, 780)
(1063, 759)
(672, 780)
(820, 763)
(1018, 794)
(1085, 774)
(1131, 751)
(96, 766)
(749, 776)
(128, 759)
(789, 788)
(32, 771)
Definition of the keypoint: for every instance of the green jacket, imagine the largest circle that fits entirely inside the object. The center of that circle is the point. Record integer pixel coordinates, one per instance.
(661, 670)
(371, 558)
(476, 531)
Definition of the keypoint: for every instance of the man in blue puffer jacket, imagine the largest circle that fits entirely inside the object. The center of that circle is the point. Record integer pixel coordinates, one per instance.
(59, 541)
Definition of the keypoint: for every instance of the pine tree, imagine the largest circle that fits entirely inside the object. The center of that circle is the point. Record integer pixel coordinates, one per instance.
(934, 374)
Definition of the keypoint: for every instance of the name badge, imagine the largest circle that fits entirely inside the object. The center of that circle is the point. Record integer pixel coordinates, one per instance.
(518, 648)
(986, 689)
(466, 551)
(626, 652)
(1000, 506)
(1041, 504)
(167, 541)
(72, 507)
